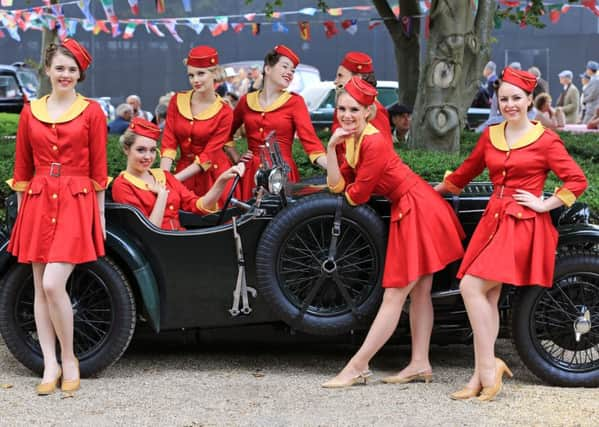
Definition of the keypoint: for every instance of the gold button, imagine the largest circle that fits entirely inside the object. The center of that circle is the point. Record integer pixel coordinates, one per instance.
(53, 220)
(191, 122)
(30, 191)
(189, 139)
(263, 114)
(215, 166)
(85, 190)
(53, 126)
(519, 214)
(491, 236)
(261, 129)
(54, 196)
(496, 215)
(171, 207)
(54, 147)
(503, 173)
(400, 215)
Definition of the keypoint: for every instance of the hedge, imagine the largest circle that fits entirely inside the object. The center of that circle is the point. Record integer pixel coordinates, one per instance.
(430, 165)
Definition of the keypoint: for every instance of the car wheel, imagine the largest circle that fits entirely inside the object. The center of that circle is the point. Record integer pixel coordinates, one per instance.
(103, 310)
(555, 329)
(306, 289)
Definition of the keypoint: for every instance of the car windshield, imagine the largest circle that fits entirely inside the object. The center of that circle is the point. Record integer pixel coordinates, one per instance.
(29, 81)
(387, 96)
(8, 87)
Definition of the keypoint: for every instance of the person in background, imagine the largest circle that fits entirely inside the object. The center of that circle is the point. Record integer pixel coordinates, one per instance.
(231, 98)
(135, 102)
(160, 114)
(60, 175)
(424, 232)
(255, 77)
(401, 119)
(198, 124)
(274, 108)
(584, 81)
(569, 99)
(515, 240)
(590, 92)
(549, 117)
(244, 82)
(155, 192)
(124, 113)
(542, 84)
(490, 75)
(228, 85)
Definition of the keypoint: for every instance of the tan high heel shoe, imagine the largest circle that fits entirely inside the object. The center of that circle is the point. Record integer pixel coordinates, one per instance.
(465, 393)
(488, 393)
(361, 378)
(69, 386)
(426, 376)
(44, 389)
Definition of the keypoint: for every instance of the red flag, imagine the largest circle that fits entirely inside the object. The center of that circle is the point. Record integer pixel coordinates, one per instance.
(330, 29)
(304, 27)
(160, 7)
(238, 27)
(374, 23)
(255, 28)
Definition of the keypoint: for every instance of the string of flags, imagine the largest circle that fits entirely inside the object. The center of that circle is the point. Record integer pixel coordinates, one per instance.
(52, 16)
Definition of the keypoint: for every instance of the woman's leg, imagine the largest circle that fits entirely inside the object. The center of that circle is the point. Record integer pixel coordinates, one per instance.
(421, 327)
(480, 298)
(380, 331)
(43, 324)
(61, 312)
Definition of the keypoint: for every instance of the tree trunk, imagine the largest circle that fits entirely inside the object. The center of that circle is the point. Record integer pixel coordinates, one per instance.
(48, 36)
(458, 48)
(406, 45)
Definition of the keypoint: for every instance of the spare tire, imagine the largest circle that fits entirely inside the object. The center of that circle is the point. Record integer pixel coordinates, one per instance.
(306, 288)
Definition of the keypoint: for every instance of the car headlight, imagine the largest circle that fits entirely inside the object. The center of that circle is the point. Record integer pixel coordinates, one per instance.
(276, 181)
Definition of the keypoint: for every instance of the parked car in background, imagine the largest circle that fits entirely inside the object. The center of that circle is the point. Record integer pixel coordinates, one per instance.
(107, 107)
(18, 84)
(305, 75)
(320, 98)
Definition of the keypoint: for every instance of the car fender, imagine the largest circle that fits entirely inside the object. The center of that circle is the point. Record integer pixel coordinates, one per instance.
(134, 260)
(6, 259)
(575, 234)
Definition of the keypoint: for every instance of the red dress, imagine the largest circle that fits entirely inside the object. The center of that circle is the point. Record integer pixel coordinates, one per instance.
(200, 138)
(287, 116)
(424, 233)
(59, 165)
(131, 190)
(513, 244)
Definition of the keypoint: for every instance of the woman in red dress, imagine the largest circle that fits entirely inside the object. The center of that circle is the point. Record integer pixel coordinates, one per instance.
(274, 108)
(515, 240)
(198, 123)
(157, 193)
(424, 233)
(60, 176)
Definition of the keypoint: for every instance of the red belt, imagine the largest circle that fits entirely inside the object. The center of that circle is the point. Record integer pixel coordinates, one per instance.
(501, 191)
(58, 169)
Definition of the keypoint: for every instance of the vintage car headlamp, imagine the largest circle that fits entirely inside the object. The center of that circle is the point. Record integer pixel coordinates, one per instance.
(276, 181)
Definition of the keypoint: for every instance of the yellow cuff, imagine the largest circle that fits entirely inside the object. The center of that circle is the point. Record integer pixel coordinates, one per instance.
(451, 187)
(230, 144)
(169, 153)
(338, 188)
(316, 155)
(205, 166)
(349, 200)
(17, 185)
(565, 196)
(98, 187)
(200, 206)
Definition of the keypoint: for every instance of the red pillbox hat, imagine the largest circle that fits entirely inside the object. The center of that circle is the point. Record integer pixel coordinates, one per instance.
(82, 56)
(283, 50)
(361, 91)
(358, 62)
(523, 79)
(202, 57)
(140, 126)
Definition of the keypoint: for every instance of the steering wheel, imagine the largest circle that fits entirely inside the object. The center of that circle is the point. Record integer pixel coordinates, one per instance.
(221, 216)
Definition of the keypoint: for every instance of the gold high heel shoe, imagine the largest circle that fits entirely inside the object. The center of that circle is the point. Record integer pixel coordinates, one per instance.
(44, 389)
(69, 386)
(426, 376)
(465, 393)
(488, 393)
(361, 378)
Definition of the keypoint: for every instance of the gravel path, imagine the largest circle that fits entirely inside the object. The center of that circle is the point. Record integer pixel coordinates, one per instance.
(272, 385)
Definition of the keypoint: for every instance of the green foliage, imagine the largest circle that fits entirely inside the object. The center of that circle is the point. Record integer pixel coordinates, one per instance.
(8, 124)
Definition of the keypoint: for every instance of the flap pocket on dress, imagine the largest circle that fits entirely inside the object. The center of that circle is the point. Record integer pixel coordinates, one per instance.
(401, 210)
(35, 188)
(77, 187)
(519, 211)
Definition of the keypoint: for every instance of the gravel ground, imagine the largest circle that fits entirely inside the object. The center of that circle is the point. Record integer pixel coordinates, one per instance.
(174, 384)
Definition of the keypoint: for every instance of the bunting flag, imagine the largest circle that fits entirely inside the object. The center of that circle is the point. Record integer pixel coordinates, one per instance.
(160, 6)
(133, 4)
(195, 24)
(510, 3)
(591, 5)
(554, 13)
(374, 23)
(223, 21)
(350, 25)
(170, 26)
(129, 30)
(278, 27)
(330, 29)
(406, 24)
(238, 27)
(62, 26)
(335, 11)
(255, 28)
(2, 34)
(186, 5)
(304, 28)
(154, 28)
(108, 6)
(84, 7)
(6, 3)
(216, 29)
(249, 16)
(308, 11)
(71, 27)
(275, 15)
(395, 11)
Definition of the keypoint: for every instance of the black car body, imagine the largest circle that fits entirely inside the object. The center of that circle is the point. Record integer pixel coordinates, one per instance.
(18, 85)
(312, 263)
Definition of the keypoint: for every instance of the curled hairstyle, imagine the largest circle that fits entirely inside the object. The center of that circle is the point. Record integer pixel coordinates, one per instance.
(127, 139)
(53, 49)
(541, 100)
(371, 108)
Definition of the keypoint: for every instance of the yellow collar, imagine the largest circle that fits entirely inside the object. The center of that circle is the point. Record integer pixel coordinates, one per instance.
(39, 109)
(497, 135)
(352, 150)
(254, 102)
(157, 173)
(184, 107)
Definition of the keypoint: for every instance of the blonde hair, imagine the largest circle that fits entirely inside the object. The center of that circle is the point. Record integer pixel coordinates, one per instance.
(127, 139)
(371, 108)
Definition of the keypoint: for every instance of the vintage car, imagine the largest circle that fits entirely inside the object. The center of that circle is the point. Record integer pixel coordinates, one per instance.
(303, 258)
